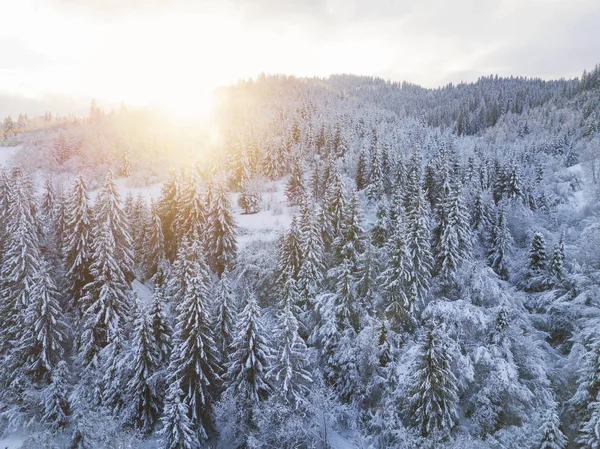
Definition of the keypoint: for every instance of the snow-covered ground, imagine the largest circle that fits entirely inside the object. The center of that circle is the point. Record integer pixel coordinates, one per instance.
(14, 442)
(6, 155)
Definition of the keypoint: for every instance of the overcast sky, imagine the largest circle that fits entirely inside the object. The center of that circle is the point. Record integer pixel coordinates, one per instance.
(58, 54)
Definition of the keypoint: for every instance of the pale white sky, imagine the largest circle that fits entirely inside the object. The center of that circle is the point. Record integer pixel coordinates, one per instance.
(56, 54)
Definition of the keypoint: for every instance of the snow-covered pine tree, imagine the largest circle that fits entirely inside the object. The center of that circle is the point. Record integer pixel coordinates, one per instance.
(225, 314)
(455, 242)
(433, 395)
(143, 403)
(55, 398)
(110, 213)
(139, 223)
(250, 357)
(191, 215)
(556, 268)
(105, 300)
(480, 215)
(194, 364)
(289, 257)
(289, 368)
(420, 259)
(380, 231)
(178, 431)
(535, 270)
(295, 190)
(249, 199)
(551, 437)
(167, 211)
(512, 186)
(350, 243)
(20, 263)
(160, 327)
(500, 245)
(42, 342)
(362, 171)
(312, 269)
(394, 278)
(78, 242)
(153, 249)
(221, 238)
(334, 205)
(48, 221)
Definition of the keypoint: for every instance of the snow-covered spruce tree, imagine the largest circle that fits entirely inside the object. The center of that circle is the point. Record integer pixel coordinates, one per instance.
(512, 184)
(454, 245)
(190, 210)
(362, 171)
(551, 437)
(139, 219)
(161, 328)
(334, 205)
(225, 314)
(295, 189)
(536, 258)
(167, 211)
(44, 332)
(311, 272)
(178, 431)
(350, 243)
(589, 432)
(394, 278)
(380, 231)
(143, 403)
(500, 245)
(480, 215)
(193, 365)
(109, 213)
(433, 395)
(78, 242)
(585, 401)
(221, 239)
(105, 300)
(249, 199)
(20, 263)
(556, 268)
(153, 249)
(48, 220)
(289, 257)
(246, 380)
(55, 398)
(289, 369)
(420, 259)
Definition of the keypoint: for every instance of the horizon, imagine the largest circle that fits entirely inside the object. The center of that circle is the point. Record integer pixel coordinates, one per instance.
(59, 54)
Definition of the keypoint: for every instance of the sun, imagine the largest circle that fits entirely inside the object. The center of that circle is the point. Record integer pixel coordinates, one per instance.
(191, 105)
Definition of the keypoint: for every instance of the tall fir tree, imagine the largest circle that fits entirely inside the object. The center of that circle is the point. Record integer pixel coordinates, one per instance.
(44, 335)
(110, 214)
(194, 365)
(433, 400)
(222, 244)
(78, 242)
(55, 398)
(143, 403)
(500, 245)
(177, 431)
(290, 364)
(106, 298)
(249, 361)
(153, 249)
(225, 315)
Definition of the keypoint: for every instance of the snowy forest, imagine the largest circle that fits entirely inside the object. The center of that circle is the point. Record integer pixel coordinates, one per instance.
(340, 262)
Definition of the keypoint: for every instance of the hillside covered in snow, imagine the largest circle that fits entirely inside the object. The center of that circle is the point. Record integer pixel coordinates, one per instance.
(330, 263)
